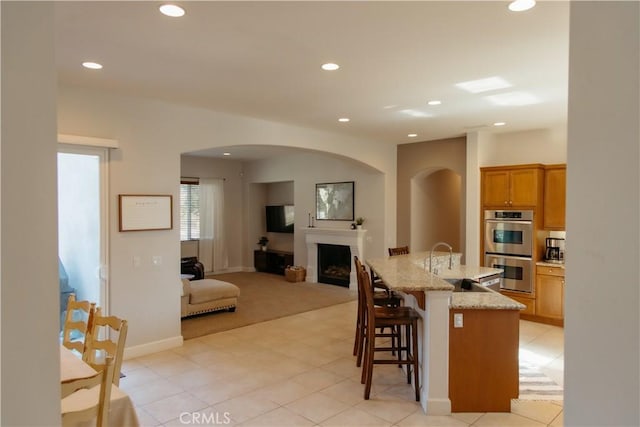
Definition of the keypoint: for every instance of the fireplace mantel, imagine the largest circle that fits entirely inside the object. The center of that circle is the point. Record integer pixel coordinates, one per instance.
(333, 236)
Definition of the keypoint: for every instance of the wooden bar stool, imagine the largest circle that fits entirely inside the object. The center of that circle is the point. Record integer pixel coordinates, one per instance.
(399, 318)
(401, 250)
(383, 299)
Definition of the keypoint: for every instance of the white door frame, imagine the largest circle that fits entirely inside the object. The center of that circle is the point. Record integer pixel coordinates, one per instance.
(103, 155)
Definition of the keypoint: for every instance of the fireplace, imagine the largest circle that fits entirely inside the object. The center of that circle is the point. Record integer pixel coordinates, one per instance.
(352, 239)
(334, 264)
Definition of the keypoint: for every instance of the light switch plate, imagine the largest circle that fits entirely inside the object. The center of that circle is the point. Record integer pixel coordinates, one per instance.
(457, 320)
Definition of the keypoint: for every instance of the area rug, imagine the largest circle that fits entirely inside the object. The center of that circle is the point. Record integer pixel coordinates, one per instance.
(263, 297)
(535, 385)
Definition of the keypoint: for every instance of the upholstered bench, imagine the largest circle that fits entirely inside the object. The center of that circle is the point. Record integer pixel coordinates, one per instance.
(203, 296)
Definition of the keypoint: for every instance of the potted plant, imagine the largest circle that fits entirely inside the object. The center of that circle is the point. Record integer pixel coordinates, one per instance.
(263, 243)
(359, 222)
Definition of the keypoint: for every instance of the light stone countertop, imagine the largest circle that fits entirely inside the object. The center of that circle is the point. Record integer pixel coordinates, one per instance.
(468, 272)
(490, 300)
(407, 273)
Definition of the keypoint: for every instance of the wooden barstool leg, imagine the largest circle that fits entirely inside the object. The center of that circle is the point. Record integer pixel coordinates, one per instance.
(357, 337)
(407, 343)
(416, 358)
(367, 370)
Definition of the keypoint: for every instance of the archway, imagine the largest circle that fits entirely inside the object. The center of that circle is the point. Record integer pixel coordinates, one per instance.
(436, 209)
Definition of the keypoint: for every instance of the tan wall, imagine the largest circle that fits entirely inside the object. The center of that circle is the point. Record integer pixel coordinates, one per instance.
(441, 211)
(419, 160)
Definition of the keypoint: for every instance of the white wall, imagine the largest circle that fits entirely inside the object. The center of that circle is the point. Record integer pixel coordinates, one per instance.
(308, 169)
(547, 146)
(152, 135)
(30, 370)
(602, 296)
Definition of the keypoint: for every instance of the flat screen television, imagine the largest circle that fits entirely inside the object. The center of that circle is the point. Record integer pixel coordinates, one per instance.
(280, 218)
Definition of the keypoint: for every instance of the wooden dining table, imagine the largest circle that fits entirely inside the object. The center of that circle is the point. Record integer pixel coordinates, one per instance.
(122, 412)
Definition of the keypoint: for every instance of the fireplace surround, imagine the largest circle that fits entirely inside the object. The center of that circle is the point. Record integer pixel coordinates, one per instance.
(354, 239)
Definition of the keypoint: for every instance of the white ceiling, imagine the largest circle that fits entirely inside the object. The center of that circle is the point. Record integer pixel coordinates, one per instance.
(262, 59)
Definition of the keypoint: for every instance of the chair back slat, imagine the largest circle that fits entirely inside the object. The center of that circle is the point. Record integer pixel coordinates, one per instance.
(86, 309)
(97, 344)
(401, 250)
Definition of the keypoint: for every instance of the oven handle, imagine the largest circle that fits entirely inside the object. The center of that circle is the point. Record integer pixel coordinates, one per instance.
(498, 221)
(498, 255)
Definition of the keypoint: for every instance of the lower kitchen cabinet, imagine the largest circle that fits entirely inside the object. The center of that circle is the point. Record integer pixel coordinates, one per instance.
(529, 303)
(550, 294)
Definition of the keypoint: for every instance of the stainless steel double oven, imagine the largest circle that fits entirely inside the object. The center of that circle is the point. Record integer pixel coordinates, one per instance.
(508, 244)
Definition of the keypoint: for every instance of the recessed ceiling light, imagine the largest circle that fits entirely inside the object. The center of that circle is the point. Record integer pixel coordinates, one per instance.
(92, 65)
(484, 85)
(226, 153)
(330, 66)
(499, 124)
(172, 10)
(434, 102)
(412, 135)
(344, 119)
(415, 113)
(513, 99)
(521, 5)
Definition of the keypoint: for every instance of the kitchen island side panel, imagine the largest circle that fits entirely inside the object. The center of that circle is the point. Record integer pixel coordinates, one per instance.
(483, 360)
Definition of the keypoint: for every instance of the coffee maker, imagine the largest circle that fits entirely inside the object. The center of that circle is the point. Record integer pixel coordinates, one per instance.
(554, 251)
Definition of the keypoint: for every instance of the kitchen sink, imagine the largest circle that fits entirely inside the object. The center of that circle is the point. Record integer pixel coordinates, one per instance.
(467, 286)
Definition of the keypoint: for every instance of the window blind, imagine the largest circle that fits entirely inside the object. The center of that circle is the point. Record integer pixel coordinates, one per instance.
(189, 211)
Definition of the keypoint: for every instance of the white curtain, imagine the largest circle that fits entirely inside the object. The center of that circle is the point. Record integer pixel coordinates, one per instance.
(213, 250)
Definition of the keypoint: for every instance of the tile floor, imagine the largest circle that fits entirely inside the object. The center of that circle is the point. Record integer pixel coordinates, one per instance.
(298, 371)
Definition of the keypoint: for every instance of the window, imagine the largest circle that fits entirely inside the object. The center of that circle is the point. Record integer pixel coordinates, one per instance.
(189, 210)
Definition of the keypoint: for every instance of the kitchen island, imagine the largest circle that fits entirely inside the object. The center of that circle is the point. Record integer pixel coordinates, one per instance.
(433, 297)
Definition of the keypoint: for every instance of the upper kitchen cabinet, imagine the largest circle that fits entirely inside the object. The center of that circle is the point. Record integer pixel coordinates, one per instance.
(555, 194)
(506, 187)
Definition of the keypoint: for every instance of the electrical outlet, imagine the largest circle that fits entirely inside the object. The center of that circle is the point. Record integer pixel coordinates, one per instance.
(457, 320)
(156, 260)
(136, 261)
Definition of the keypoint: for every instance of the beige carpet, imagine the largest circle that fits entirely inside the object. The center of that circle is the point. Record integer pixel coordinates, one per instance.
(263, 297)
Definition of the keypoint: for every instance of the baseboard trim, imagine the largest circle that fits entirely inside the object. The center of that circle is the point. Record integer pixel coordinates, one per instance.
(152, 347)
(228, 270)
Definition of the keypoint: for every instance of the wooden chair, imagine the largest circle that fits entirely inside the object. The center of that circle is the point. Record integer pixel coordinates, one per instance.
(75, 309)
(402, 250)
(98, 406)
(101, 346)
(402, 318)
(383, 299)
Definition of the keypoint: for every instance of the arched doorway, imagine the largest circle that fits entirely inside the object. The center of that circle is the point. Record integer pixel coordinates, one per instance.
(436, 209)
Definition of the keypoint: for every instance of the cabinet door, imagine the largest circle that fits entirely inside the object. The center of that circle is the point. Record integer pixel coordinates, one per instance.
(260, 260)
(524, 187)
(555, 195)
(529, 303)
(550, 296)
(495, 188)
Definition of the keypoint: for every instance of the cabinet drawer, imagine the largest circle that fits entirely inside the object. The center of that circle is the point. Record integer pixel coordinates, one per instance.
(550, 271)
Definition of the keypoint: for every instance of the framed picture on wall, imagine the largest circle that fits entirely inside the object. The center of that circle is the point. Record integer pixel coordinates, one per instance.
(334, 201)
(145, 212)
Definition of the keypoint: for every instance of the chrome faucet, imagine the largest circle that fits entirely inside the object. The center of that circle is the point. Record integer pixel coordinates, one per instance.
(431, 254)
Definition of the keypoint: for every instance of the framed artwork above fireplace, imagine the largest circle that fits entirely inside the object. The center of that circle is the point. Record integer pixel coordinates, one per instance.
(334, 201)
